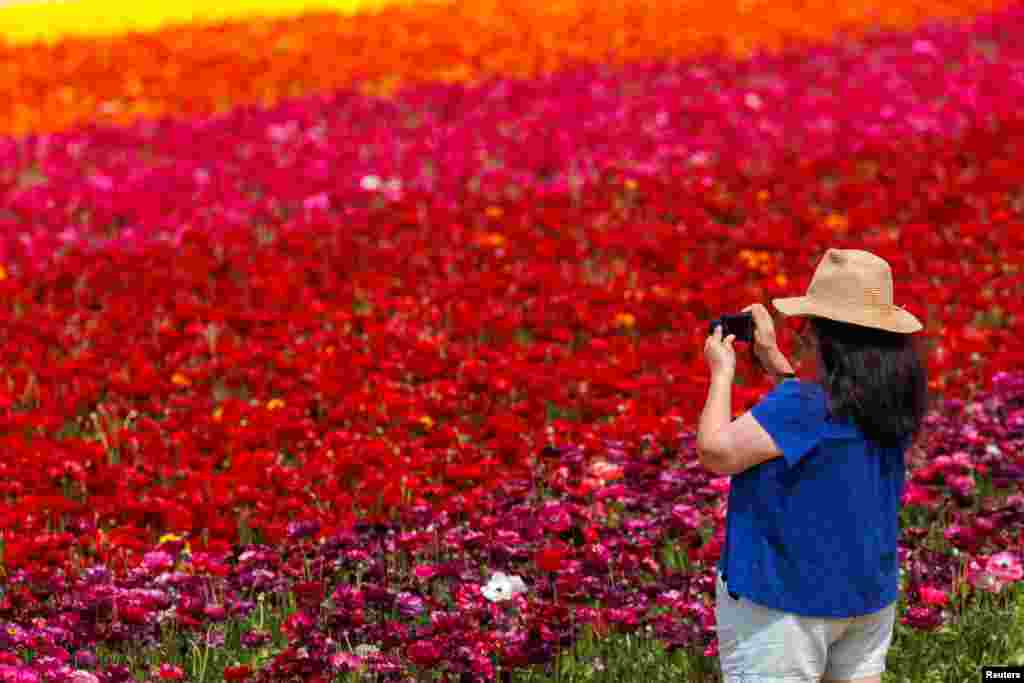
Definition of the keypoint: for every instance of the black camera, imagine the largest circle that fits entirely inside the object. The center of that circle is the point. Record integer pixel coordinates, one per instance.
(740, 324)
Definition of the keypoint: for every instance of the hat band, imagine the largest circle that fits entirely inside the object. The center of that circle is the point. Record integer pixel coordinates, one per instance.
(878, 305)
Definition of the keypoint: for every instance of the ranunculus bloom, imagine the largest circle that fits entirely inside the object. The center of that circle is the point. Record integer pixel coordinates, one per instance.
(933, 596)
(345, 661)
(158, 561)
(923, 618)
(238, 672)
(549, 558)
(503, 587)
(81, 676)
(1005, 567)
(170, 672)
(423, 653)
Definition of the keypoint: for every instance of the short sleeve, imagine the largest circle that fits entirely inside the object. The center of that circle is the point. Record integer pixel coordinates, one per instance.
(794, 415)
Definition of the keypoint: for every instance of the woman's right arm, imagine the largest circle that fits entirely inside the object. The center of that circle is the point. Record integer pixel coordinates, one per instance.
(766, 347)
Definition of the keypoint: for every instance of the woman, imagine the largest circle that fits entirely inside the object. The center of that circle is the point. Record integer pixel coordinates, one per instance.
(808, 579)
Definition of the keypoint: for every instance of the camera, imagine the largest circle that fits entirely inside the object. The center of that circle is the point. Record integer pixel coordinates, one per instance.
(739, 324)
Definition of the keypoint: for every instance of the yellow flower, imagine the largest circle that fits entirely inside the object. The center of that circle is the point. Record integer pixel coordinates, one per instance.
(781, 280)
(274, 404)
(174, 537)
(427, 422)
(181, 380)
(631, 184)
(626, 320)
(3, 273)
(29, 22)
(218, 412)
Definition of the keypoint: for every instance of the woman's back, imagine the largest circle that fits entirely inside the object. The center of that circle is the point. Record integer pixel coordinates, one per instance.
(815, 532)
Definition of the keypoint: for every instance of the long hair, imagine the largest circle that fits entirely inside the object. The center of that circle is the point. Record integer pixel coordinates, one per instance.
(876, 378)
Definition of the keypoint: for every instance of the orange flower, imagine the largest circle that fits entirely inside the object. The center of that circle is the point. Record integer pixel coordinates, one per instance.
(837, 222)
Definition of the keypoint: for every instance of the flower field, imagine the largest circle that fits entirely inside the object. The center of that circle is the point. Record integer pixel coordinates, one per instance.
(351, 341)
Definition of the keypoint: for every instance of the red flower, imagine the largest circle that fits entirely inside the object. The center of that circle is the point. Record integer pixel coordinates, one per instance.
(169, 672)
(550, 558)
(239, 672)
(423, 653)
(933, 596)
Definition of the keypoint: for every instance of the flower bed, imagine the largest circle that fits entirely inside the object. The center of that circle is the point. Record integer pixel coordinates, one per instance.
(189, 71)
(292, 365)
(621, 539)
(421, 371)
(559, 134)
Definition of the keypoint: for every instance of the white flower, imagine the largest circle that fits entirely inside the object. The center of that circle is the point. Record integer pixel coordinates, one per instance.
(502, 587)
(370, 183)
(365, 650)
(82, 676)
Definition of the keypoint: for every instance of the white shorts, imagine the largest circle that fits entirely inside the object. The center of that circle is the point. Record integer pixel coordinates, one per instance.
(758, 644)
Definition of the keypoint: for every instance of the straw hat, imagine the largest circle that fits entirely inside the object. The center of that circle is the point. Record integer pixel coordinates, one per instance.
(852, 286)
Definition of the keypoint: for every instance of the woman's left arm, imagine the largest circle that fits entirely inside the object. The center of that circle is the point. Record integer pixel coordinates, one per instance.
(713, 421)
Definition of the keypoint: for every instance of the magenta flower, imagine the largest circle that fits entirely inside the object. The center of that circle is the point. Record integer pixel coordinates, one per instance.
(424, 653)
(923, 618)
(410, 605)
(158, 561)
(933, 596)
(344, 661)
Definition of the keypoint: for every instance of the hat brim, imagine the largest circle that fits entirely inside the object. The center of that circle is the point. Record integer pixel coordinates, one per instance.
(892, 319)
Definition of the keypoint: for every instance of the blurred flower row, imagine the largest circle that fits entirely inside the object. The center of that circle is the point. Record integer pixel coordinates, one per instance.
(189, 70)
(25, 22)
(556, 134)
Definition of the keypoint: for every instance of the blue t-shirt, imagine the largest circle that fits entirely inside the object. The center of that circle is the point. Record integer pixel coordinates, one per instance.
(814, 532)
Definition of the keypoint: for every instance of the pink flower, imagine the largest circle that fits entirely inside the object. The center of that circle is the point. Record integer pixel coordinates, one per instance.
(157, 561)
(318, 201)
(1005, 567)
(686, 516)
(82, 676)
(933, 596)
(915, 494)
(424, 572)
(215, 612)
(994, 573)
(344, 661)
(18, 674)
(719, 485)
(962, 485)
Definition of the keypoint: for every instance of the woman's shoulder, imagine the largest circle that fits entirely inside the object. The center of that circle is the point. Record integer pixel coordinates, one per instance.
(803, 388)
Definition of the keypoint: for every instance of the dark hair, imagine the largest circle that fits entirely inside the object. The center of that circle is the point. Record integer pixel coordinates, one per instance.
(874, 377)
